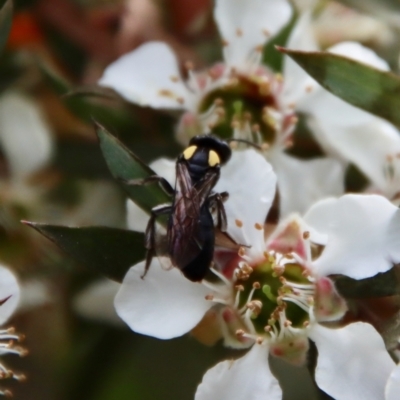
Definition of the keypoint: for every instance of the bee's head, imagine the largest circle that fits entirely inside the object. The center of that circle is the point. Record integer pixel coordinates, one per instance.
(218, 150)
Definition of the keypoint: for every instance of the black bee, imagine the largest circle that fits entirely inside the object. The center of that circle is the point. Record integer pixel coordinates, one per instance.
(190, 231)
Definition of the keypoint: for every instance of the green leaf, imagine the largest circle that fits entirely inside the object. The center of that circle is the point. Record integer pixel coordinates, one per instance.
(5, 22)
(359, 84)
(124, 165)
(380, 285)
(271, 56)
(109, 251)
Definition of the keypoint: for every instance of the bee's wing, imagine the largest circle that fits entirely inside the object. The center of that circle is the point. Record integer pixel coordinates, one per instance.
(186, 231)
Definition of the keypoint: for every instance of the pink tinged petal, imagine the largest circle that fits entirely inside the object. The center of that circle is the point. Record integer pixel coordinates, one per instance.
(289, 237)
(137, 219)
(230, 322)
(318, 179)
(164, 304)
(24, 134)
(149, 76)
(328, 304)
(250, 182)
(356, 227)
(245, 25)
(293, 349)
(247, 378)
(392, 390)
(360, 53)
(353, 363)
(9, 294)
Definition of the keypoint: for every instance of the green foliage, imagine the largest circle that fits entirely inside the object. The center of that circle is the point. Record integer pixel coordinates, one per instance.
(380, 285)
(271, 56)
(109, 251)
(124, 165)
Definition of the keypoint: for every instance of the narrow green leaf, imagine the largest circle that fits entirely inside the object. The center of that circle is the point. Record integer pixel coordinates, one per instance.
(109, 251)
(271, 56)
(359, 84)
(380, 285)
(125, 165)
(5, 22)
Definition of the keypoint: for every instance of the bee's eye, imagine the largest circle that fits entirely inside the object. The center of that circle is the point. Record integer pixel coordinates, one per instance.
(188, 153)
(213, 158)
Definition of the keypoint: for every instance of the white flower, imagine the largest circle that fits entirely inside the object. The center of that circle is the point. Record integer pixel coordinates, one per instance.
(281, 295)
(27, 145)
(9, 299)
(24, 134)
(275, 294)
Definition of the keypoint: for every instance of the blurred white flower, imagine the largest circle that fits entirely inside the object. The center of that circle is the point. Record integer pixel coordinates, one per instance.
(26, 142)
(24, 135)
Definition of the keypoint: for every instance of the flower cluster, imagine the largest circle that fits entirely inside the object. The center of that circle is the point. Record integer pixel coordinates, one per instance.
(297, 232)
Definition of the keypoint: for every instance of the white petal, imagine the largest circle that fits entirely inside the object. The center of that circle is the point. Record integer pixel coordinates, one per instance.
(370, 146)
(320, 104)
(137, 219)
(247, 24)
(97, 302)
(296, 81)
(9, 291)
(353, 363)
(247, 378)
(24, 134)
(392, 391)
(302, 183)
(164, 304)
(148, 76)
(356, 227)
(360, 53)
(318, 218)
(250, 182)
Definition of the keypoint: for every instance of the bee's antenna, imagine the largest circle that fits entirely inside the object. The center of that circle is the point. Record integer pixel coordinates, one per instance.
(233, 141)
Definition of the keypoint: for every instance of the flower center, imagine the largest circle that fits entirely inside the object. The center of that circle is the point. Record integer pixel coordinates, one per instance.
(274, 295)
(249, 104)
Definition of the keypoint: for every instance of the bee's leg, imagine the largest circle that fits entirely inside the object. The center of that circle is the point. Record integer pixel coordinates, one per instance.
(164, 184)
(217, 200)
(150, 234)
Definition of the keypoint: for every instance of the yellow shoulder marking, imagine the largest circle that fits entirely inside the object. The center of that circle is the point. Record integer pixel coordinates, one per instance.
(188, 153)
(213, 158)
